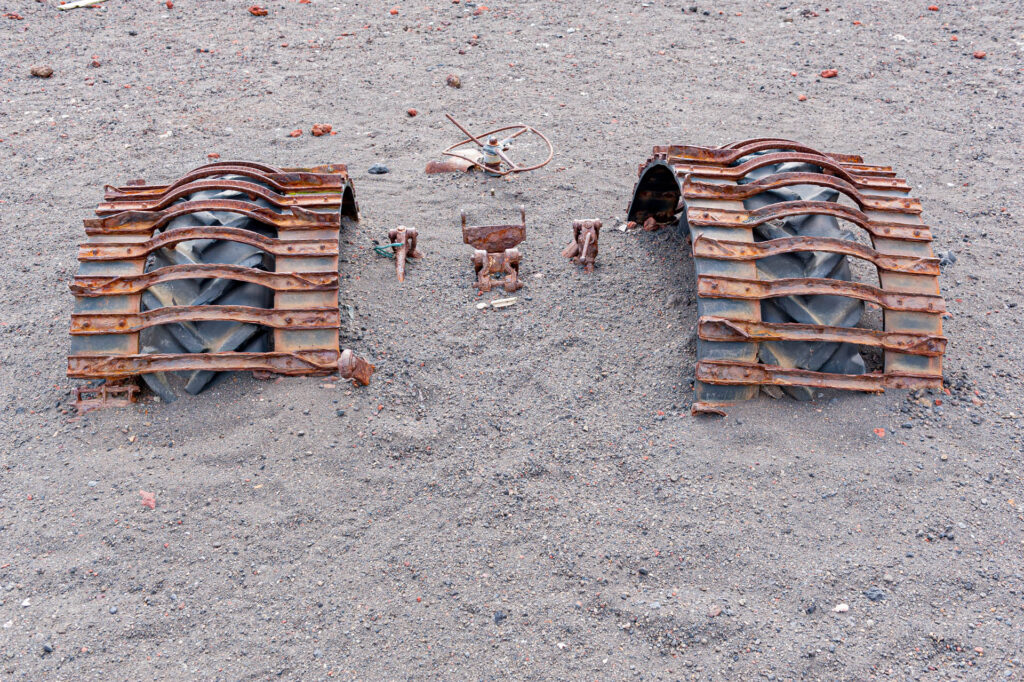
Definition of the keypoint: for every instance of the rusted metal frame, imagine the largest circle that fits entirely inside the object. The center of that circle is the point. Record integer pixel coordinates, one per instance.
(745, 251)
(752, 289)
(826, 164)
(282, 183)
(721, 329)
(133, 284)
(785, 209)
(123, 366)
(120, 323)
(694, 189)
(105, 251)
(107, 394)
(135, 222)
(728, 156)
(731, 373)
(252, 190)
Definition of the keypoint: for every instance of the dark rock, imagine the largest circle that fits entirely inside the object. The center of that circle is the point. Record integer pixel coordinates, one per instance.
(499, 616)
(874, 594)
(379, 169)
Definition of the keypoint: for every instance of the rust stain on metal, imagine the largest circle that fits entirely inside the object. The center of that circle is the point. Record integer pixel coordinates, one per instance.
(495, 253)
(405, 239)
(121, 366)
(582, 250)
(126, 202)
(147, 222)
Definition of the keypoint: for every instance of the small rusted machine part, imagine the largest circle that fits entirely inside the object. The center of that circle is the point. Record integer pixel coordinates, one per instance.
(495, 252)
(489, 154)
(233, 267)
(353, 367)
(108, 394)
(583, 248)
(775, 302)
(403, 245)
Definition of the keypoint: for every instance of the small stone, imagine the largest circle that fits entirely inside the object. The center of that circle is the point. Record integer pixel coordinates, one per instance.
(943, 457)
(47, 648)
(874, 594)
(643, 571)
(92, 484)
(411, 113)
(802, 98)
(41, 71)
(829, 73)
(378, 169)
(453, 81)
(980, 54)
(321, 129)
(888, 578)
(715, 610)
(27, 602)
(317, 653)
(113, 610)
(295, 133)
(841, 608)
(339, 413)
(499, 616)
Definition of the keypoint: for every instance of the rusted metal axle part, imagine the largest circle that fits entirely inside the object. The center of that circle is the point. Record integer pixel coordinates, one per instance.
(403, 244)
(495, 252)
(582, 250)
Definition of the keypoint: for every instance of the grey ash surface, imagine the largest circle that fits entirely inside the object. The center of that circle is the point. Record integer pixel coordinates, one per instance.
(507, 500)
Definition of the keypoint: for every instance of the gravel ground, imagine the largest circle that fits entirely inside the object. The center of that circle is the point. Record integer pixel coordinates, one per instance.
(519, 494)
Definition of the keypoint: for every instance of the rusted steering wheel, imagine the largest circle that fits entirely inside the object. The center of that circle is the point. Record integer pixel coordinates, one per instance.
(520, 129)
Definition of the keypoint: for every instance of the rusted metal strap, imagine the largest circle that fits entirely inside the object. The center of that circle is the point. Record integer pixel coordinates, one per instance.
(121, 251)
(730, 155)
(135, 222)
(716, 217)
(826, 164)
(129, 323)
(252, 190)
(695, 189)
(282, 183)
(705, 247)
(117, 366)
(844, 158)
(328, 168)
(133, 284)
(728, 372)
(751, 289)
(720, 329)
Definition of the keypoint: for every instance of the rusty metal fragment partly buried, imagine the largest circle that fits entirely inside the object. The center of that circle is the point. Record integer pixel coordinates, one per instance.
(489, 153)
(232, 267)
(494, 252)
(776, 304)
(403, 245)
(582, 250)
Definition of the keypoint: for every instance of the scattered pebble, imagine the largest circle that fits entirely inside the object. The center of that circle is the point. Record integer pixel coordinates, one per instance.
(980, 54)
(41, 71)
(874, 594)
(841, 608)
(499, 616)
(453, 81)
(411, 113)
(829, 73)
(295, 133)
(321, 129)
(258, 11)
(715, 610)
(379, 169)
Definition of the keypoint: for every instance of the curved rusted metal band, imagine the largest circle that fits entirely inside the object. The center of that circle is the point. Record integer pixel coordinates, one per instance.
(514, 169)
(695, 189)
(713, 286)
(715, 217)
(690, 153)
(736, 373)
(296, 218)
(133, 284)
(278, 247)
(712, 328)
(842, 158)
(120, 366)
(717, 249)
(253, 191)
(279, 182)
(129, 323)
(823, 162)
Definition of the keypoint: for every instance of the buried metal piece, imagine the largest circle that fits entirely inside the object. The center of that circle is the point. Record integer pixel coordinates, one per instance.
(495, 252)
(583, 247)
(489, 154)
(351, 366)
(403, 244)
(108, 394)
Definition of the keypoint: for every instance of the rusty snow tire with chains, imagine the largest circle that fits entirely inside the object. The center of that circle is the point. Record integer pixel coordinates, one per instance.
(775, 298)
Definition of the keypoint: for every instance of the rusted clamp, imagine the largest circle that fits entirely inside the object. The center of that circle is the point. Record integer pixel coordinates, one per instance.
(351, 366)
(403, 244)
(495, 252)
(583, 247)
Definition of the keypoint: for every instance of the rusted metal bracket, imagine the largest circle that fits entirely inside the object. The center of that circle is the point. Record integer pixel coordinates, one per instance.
(108, 394)
(582, 250)
(403, 244)
(495, 252)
